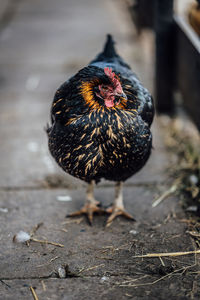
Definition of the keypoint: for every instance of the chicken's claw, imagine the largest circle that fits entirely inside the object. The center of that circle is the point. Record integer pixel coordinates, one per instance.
(88, 209)
(117, 211)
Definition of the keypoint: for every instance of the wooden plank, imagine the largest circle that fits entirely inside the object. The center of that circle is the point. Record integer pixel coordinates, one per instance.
(187, 71)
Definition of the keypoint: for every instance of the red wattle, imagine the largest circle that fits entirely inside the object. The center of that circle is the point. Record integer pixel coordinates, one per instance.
(109, 103)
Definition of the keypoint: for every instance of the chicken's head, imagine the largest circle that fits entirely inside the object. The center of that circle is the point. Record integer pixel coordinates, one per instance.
(101, 88)
(112, 91)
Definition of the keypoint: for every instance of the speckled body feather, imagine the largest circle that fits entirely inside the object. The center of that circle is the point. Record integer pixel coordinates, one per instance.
(91, 141)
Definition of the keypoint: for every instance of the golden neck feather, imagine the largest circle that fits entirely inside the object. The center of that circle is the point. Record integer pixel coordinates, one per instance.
(88, 95)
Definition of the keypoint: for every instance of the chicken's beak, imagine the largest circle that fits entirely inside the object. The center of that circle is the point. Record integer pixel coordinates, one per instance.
(123, 95)
(118, 96)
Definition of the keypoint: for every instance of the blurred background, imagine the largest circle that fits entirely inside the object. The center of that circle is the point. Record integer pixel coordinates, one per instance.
(42, 44)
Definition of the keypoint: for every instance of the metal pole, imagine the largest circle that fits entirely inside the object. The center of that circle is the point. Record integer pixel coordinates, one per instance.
(164, 55)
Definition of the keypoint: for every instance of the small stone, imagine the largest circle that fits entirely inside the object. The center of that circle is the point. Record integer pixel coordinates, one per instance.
(62, 271)
(133, 231)
(193, 179)
(104, 278)
(192, 208)
(64, 198)
(3, 209)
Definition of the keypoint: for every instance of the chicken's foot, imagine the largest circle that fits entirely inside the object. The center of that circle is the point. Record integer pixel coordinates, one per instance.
(117, 209)
(91, 206)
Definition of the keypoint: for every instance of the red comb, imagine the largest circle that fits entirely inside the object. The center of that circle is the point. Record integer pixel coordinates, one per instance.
(112, 76)
(108, 72)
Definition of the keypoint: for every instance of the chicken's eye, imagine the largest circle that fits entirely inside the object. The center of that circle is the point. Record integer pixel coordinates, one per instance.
(103, 88)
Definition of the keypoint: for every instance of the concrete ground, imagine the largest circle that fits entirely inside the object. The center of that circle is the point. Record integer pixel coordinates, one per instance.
(42, 43)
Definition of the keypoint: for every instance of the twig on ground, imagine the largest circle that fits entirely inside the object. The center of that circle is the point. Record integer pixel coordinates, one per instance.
(77, 221)
(132, 280)
(47, 263)
(162, 262)
(112, 248)
(43, 286)
(166, 194)
(175, 236)
(190, 222)
(194, 233)
(33, 293)
(35, 228)
(103, 257)
(159, 279)
(25, 237)
(46, 242)
(167, 254)
(54, 258)
(194, 288)
(64, 230)
(89, 269)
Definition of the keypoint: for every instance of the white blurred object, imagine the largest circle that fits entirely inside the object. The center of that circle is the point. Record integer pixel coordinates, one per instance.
(3, 209)
(104, 278)
(21, 237)
(134, 232)
(32, 82)
(64, 198)
(193, 179)
(192, 208)
(33, 146)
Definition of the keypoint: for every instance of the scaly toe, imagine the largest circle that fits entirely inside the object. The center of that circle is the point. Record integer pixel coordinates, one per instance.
(116, 211)
(88, 209)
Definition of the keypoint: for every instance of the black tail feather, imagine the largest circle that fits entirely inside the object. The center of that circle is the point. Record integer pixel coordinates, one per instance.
(109, 48)
(109, 54)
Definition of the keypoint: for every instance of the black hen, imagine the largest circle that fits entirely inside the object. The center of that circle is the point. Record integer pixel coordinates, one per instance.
(101, 120)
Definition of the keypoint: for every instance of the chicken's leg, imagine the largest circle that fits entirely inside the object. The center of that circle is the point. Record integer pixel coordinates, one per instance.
(91, 206)
(117, 209)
